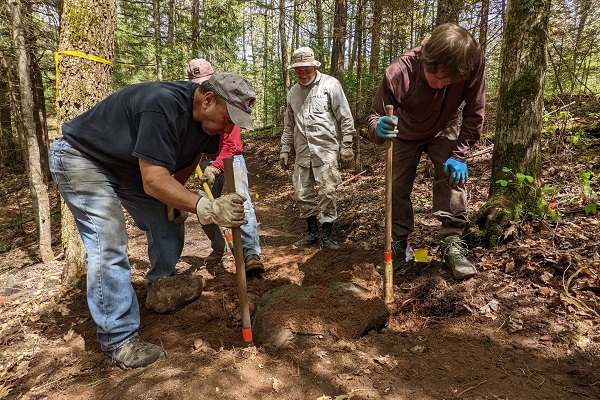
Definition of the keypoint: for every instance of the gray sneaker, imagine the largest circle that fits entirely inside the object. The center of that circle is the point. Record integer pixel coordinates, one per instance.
(135, 353)
(454, 251)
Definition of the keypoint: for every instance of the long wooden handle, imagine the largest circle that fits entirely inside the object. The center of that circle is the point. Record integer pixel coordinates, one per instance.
(387, 255)
(238, 254)
(225, 231)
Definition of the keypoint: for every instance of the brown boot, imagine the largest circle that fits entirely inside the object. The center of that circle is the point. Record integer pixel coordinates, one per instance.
(254, 267)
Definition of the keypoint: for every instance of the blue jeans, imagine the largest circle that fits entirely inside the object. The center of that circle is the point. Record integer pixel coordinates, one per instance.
(96, 197)
(250, 237)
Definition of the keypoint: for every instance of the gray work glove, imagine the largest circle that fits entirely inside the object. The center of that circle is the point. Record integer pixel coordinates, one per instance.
(346, 156)
(283, 159)
(176, 215)
(225, 211)
(209, 175)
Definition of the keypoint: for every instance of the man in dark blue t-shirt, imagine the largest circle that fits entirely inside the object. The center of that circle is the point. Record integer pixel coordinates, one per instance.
(136, 149)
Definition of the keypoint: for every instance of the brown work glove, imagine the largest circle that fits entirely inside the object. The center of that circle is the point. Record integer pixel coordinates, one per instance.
(209, 175)
(227, 210)
(346, 155)
(176, 215)
(283, 159)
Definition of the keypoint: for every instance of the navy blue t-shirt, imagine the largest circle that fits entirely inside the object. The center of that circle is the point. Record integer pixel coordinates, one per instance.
(152, 121)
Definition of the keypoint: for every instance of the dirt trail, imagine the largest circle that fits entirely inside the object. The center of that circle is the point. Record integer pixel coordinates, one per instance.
(511, 332)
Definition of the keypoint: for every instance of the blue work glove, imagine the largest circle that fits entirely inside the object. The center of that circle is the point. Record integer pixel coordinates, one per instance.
(456, 171)
(386, 127)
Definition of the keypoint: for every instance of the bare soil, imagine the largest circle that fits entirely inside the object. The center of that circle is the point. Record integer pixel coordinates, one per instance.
(527, 326)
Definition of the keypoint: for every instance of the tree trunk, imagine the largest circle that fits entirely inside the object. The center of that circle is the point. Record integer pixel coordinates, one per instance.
(339, 40)
(295, 26)
(483, 28)
(284, 48)
(11, 155)
(320, 51)
(195, 27)
(157, 39)
(37, 184)
(359, 26)
(82, 82)
(375, 47)
(39, 99)
(448, 11)
(516, 168)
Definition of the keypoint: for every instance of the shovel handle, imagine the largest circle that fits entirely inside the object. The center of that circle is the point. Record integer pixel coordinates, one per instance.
(387, 255)
(225, 231)
(240, 268)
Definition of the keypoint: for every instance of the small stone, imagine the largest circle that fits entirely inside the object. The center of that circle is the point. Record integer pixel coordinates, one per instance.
(171, 293)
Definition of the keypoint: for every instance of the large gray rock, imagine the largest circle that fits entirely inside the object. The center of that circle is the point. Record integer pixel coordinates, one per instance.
(340, 311)
(171, 293)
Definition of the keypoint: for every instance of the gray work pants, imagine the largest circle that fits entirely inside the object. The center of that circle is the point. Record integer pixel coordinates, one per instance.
(449, 203)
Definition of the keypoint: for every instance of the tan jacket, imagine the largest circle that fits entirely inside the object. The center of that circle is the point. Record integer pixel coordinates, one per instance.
(317, 121)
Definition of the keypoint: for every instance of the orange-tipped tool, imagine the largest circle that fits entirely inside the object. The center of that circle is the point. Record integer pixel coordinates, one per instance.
(238, 254)
(388, 280)
(226, 232)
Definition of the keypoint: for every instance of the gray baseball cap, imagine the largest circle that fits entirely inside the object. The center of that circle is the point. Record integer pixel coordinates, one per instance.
(239, 95)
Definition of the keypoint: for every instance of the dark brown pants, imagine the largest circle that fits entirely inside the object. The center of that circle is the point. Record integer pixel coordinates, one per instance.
(449, 203)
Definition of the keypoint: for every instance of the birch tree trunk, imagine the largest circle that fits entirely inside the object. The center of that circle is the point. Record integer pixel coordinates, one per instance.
(87, 26)
(35, 174)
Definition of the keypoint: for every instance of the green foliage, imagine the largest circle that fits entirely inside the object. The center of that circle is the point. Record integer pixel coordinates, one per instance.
(420, 203)
(548, 189)
(588, 179)
(518, 176)
(590, 208)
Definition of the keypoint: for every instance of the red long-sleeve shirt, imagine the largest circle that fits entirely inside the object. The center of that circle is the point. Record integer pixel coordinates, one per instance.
(229, 146)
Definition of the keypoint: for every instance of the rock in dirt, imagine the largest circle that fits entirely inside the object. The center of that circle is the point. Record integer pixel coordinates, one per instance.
(171, 293)
(293, 312)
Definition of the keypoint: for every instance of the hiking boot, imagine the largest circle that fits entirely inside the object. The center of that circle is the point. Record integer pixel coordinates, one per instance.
(254, 267)
(402, 254)
(312, 236)
(454, 251)
(134, 353)
(326, 241)
(214, 258)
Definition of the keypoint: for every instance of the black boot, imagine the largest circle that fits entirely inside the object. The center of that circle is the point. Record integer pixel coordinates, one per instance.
(326, 241)
(312, 236)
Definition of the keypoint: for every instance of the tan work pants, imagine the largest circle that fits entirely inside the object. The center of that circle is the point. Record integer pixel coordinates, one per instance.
(314, 190)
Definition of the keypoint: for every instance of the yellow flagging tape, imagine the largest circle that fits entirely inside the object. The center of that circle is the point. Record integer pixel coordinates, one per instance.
(77, 54)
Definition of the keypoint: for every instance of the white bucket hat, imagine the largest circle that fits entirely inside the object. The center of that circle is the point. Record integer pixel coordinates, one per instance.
(304, 57)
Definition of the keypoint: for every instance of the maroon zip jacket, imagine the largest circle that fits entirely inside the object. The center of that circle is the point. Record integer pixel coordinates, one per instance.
(422, 111)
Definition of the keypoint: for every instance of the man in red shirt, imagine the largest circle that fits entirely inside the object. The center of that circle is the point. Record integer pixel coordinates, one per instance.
(212, 166)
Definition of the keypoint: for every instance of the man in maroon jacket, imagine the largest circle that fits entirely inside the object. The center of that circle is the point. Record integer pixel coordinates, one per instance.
(426, 86)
